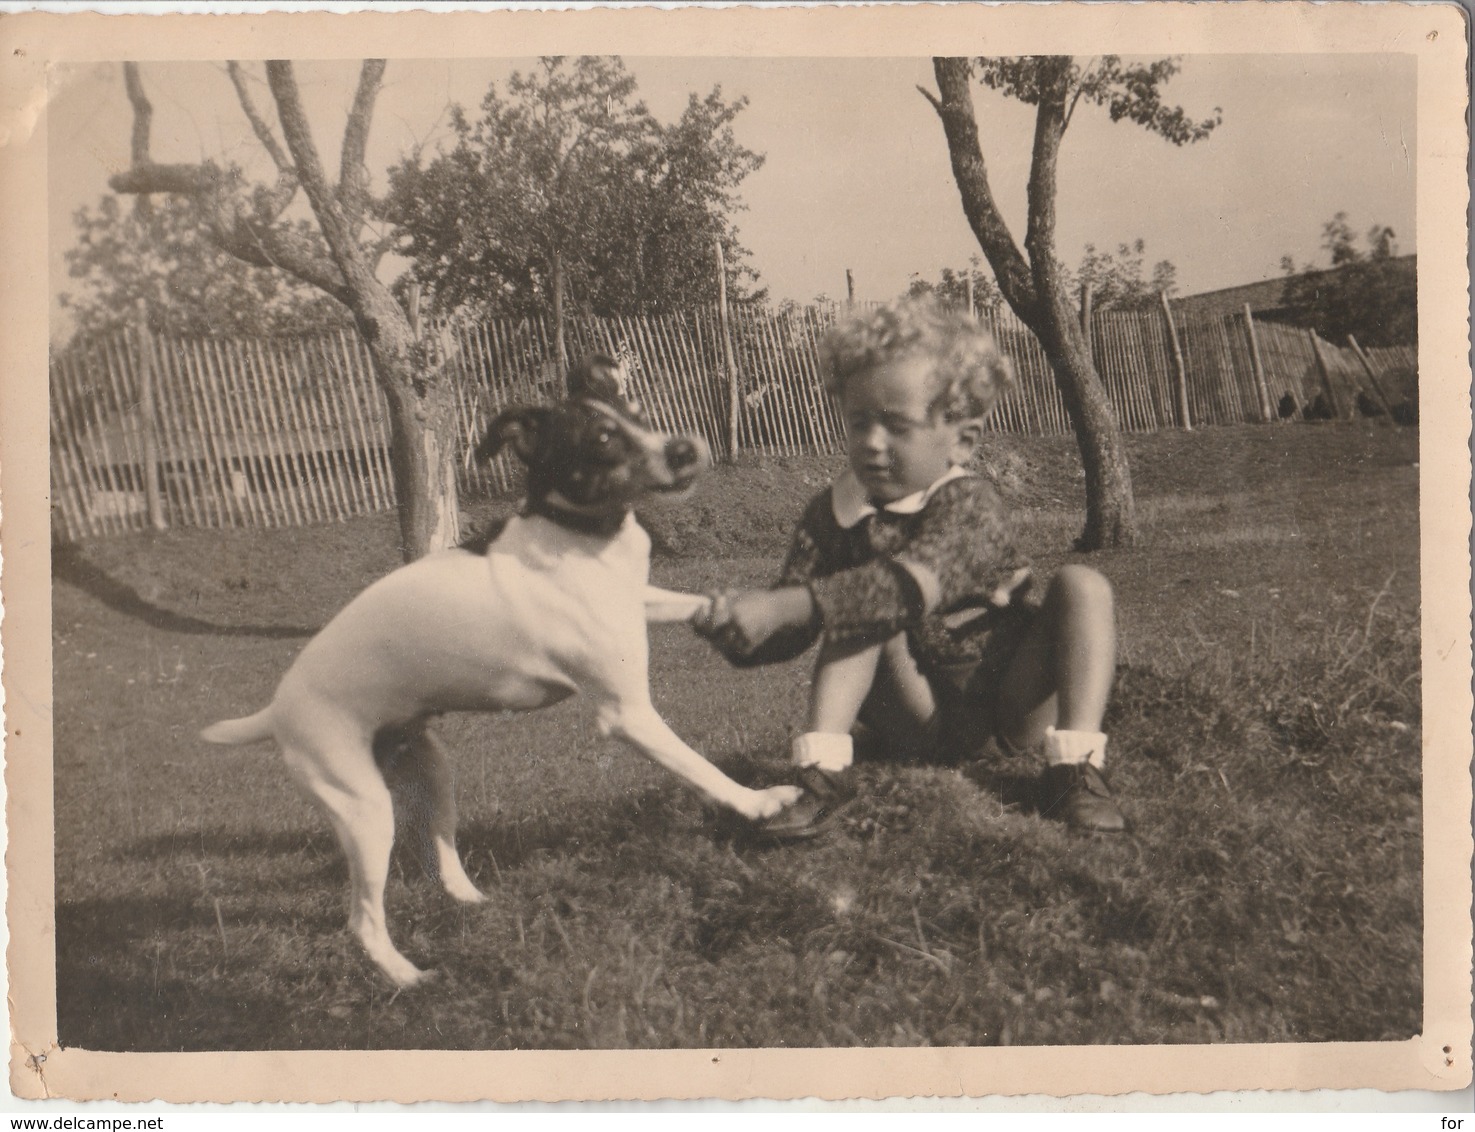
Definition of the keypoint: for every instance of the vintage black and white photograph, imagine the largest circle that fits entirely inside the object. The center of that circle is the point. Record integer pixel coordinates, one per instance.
(729, 551)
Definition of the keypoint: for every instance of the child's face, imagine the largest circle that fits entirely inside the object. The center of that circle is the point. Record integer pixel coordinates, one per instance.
(896, 446)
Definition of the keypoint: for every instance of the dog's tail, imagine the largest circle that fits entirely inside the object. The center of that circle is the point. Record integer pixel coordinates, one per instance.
(250, 729)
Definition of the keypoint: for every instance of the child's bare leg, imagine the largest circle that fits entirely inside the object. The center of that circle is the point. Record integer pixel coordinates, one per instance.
(843, 677)
(1061, 675)
(881, 679)
(1055, 692)
(901, 706)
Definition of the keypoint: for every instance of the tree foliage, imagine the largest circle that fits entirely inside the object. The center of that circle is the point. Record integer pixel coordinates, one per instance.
(951, 287)
(568, 180)
(160, 255)
(1369, 292)
(1131, 91)
(1116, 278)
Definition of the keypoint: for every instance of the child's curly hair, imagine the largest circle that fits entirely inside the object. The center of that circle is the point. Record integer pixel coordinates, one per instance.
(969, 371)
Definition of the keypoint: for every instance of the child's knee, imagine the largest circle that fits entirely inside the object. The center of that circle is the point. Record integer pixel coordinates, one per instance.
(897, 649)
(1082, 587)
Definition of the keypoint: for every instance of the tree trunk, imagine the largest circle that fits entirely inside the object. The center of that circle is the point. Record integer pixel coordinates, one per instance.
(421, 421)
(1110, 505)
(424, 473)
(1035, 289)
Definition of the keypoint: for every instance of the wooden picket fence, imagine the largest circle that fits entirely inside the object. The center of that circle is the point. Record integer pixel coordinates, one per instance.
(157, 430)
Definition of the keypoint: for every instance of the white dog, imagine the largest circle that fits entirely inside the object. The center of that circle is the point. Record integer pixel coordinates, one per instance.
(557, 602)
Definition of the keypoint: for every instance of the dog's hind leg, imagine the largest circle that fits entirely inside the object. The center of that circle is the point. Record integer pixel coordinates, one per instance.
(348, 785)
(437, 784)
(418, 772)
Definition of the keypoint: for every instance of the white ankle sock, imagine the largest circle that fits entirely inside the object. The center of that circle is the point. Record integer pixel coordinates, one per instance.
(1074, 747)
(824, 749)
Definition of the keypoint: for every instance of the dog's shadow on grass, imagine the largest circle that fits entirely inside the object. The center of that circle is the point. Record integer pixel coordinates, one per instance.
(69, 565)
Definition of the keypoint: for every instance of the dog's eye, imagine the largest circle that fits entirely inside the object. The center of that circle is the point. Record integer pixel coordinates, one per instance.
(604, 436)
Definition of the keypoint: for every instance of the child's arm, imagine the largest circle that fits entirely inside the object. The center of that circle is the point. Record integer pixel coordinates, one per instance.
(772, 625)
(751, 627)
(961, 556)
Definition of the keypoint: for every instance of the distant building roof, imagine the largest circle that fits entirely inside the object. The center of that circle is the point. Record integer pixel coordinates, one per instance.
(1266, 298)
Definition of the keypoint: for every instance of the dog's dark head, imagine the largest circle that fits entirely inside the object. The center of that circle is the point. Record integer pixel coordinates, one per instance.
(590, 458)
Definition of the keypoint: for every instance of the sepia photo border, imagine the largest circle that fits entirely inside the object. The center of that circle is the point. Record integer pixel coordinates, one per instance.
(1438, 1059)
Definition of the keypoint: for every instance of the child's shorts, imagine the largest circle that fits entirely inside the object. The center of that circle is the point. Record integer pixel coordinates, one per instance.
(968, 694)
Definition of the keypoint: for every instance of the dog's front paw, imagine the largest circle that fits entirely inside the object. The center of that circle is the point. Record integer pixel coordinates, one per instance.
(768, 802)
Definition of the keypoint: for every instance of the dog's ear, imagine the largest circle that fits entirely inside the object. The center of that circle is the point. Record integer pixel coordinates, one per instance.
(599, 376)
(520, 427)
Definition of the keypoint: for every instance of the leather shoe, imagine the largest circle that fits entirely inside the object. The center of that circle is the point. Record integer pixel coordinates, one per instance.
(1079, 795)
(825, 794)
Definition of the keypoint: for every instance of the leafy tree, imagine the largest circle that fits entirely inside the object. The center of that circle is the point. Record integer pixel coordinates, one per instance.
(1116, 278)
(568, 190)
(952, 287)
(161, 256)
(1370, 293)
(1033, 281)
(339, 258)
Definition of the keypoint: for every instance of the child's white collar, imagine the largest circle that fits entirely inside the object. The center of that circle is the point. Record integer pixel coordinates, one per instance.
(850, 503)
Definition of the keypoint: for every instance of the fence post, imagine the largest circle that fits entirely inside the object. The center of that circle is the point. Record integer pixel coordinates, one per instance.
(733, 401)
(1178, 366)
(1326, 379)
(147, 420)
(1372, 376)
(1086, 298)
(413, 314)
(1258, 367)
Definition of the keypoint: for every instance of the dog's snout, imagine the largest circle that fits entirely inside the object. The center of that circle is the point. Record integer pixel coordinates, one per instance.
(682, 453)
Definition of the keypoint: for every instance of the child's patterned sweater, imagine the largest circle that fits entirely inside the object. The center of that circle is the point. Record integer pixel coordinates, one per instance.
(940, 565)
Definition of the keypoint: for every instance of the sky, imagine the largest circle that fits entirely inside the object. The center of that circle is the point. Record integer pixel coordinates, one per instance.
(857, 174)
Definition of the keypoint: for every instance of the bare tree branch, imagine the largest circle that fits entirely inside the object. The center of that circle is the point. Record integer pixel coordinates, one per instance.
(1050, 115)
(187, 180)
(338, 229)
(283, 82)
(259, 127)
(143, 117)
(286, 187)
(1080, 89)
(955, 108)
(246, 233)
(143, 113)
(353, 174)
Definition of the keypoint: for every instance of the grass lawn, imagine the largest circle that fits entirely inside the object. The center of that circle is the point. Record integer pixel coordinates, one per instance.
(1265, 740)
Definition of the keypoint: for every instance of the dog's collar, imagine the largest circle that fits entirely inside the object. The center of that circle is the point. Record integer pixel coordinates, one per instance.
(575, 517)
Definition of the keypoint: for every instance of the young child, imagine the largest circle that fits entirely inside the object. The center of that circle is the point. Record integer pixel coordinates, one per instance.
(932, 629)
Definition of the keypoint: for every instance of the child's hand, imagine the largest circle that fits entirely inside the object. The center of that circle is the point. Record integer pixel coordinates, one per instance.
(740, 623)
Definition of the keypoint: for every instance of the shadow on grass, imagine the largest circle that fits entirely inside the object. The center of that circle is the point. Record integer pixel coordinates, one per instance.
(234, 845)
(628, 830)
(106, 1000)
(69, 565)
